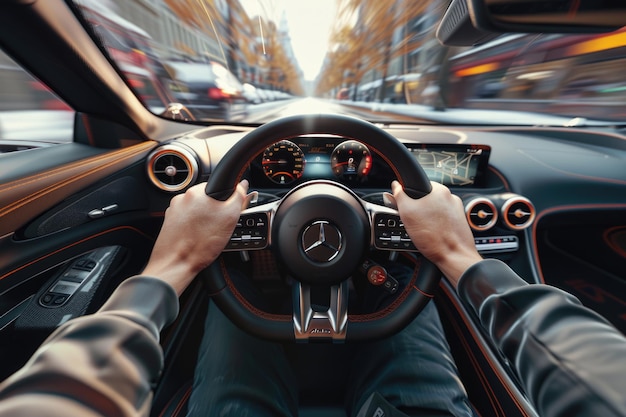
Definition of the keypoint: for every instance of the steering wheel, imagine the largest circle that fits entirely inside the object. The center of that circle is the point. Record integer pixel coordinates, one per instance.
(321, 232)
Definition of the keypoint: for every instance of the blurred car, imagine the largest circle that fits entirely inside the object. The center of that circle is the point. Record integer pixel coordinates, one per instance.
(343, 94)
(263, 96)
(269, 95)
(251, 93)
(282, 95)
(208, 90)
(429, 94)
(490, 89)
(150, 89)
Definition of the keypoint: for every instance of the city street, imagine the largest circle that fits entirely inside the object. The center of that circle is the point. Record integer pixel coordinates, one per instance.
(408, 113)
(264, 112)
(21, 128)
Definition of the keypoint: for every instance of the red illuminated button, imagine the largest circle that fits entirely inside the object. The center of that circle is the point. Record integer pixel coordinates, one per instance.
(376, 275)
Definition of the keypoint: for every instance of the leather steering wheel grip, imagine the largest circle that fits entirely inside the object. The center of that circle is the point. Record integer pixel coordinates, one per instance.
(228, 172)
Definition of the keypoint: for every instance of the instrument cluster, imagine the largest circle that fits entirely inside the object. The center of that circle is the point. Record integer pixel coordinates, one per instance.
(289, 162)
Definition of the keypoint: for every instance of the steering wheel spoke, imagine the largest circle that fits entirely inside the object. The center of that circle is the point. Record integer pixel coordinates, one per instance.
(308, 323)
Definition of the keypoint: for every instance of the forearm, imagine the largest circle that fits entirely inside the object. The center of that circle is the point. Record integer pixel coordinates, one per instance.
(97, 365)
(569, 359)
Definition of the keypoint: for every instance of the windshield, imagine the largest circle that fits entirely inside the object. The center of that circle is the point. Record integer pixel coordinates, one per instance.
(251, 61)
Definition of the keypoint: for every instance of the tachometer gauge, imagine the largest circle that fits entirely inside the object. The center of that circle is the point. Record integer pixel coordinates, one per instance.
(283, 162)
(350, 160)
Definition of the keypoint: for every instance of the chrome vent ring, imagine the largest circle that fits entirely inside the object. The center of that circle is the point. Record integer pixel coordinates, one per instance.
(172, 168)
(481, 213)
(517, 212)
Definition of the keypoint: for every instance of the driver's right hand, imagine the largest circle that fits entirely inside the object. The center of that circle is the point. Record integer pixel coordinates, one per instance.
(437, 226)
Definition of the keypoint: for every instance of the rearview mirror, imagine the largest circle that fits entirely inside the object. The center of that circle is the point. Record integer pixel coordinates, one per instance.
(471, 22)
(546, 15)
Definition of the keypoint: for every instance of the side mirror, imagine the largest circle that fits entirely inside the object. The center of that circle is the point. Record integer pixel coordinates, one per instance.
(472, 22)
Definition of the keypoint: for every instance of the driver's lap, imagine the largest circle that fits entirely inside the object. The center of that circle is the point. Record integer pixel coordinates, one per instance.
(412, 369)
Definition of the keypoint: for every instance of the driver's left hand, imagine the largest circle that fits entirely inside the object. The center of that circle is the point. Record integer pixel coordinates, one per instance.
(195, 231)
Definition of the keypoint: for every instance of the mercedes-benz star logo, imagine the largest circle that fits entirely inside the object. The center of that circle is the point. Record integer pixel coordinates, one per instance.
(321, 241)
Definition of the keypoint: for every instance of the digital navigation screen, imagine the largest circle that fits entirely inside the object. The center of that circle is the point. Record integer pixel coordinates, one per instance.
(289, 162)
(453, 165)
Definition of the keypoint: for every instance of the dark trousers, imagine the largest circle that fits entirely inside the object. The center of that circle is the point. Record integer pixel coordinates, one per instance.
(240, 375)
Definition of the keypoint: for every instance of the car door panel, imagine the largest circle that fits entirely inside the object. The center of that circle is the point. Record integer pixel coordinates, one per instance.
(47, 222)
(35, 181)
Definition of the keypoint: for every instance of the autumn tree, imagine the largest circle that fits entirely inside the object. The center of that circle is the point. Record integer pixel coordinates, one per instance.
(237, 35)
(281, 71)
(370, 34)
(202, 15)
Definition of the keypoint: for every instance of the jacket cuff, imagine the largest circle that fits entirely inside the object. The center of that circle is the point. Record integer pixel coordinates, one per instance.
(150, 302)
(486, 278)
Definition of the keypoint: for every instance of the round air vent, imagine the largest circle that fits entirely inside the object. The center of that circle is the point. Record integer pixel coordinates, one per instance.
(518, 212)
(172, 168)
(481, 213)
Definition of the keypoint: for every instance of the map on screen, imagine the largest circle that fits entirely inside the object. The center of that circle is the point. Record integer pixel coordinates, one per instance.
(452, 166)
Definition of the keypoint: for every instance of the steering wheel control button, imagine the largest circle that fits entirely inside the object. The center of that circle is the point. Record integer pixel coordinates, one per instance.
(391, 285)
(251, 232)
(390, 234)
(321, 241)
(377, 275)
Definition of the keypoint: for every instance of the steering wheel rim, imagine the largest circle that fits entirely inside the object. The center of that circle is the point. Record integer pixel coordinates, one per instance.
(336, 324)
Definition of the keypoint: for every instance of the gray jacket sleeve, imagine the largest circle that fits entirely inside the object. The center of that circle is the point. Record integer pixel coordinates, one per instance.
(571, 361)
(103, 364)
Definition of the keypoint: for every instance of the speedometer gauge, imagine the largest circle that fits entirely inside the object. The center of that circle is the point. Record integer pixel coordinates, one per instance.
(351, 159)
(283, 162)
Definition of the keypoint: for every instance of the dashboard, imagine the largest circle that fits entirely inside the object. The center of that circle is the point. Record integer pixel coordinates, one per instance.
(516, 183)
(289, 162)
